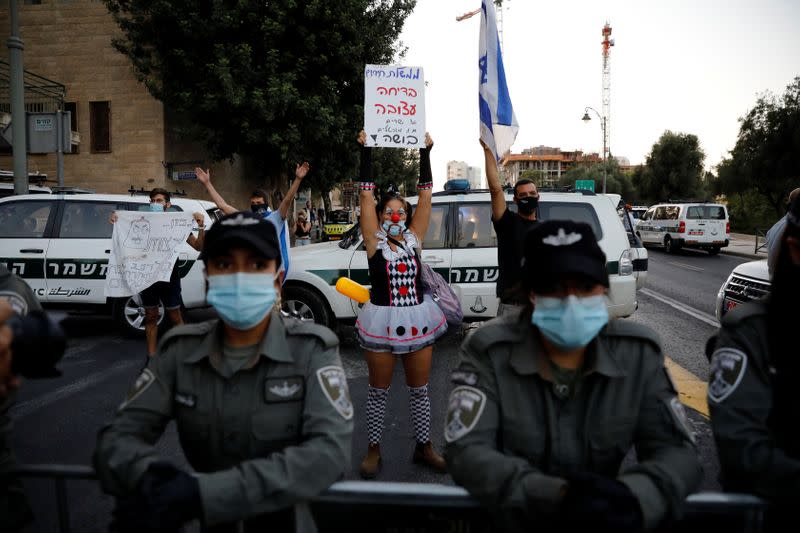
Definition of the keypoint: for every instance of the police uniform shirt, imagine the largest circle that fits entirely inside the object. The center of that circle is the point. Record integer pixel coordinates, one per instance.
(269, 437)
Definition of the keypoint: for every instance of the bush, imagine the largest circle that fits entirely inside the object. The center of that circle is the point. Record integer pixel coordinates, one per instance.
(749, 212)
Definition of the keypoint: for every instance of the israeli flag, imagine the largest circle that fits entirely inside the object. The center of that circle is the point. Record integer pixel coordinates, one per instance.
(498, 123)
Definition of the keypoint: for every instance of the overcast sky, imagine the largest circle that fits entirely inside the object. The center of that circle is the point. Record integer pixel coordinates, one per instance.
(690, 66)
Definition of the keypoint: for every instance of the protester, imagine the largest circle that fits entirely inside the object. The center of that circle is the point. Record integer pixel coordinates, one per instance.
(302, 229)
(548, 401)
(259, 205)
(398, 320)
(168, 293)
(511, 229)
(752, 386)
(774, 234)
(321, 216)
(260, 402)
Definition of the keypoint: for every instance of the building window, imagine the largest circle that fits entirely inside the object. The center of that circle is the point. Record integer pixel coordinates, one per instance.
(100, 125)
(72, 108)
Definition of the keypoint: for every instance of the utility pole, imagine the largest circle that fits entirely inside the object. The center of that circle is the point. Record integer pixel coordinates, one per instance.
(19, 144)
(606, 118)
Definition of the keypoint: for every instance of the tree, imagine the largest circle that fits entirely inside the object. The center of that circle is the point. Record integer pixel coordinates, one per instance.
(673, 169)
(274, 82)
(766, 157)
(399, 168)
(617, 182)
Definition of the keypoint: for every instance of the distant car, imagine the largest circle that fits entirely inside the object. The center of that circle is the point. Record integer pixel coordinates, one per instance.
(746, 282)
(639, 253)
(676, 225)
(637, 211)
(338, 222)
(60, 245)
(7, 189)
(462, 246)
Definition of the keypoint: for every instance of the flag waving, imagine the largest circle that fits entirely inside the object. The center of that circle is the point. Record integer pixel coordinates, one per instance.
(498, 124)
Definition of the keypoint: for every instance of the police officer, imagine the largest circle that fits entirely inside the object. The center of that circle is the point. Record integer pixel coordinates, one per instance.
(549, 400)
(261, 403)
(18, 298)
(752, 390)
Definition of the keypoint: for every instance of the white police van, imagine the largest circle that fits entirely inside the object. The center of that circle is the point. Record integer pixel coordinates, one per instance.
(676, 225)
(461, 245)
(60, 245)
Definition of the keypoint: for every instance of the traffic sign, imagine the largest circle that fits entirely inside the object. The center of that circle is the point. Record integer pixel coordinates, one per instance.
(586, 185)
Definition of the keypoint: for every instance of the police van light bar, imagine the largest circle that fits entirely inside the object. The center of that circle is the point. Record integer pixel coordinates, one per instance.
(457, 185)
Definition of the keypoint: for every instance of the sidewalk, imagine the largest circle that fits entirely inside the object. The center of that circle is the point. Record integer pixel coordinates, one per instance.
(744, 246)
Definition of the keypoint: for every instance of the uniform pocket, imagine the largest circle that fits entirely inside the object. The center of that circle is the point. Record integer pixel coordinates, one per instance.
(610, 440)
(276, 426)
(193, 431)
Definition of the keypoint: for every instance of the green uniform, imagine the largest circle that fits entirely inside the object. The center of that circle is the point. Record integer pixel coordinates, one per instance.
(268, 438)
(754, 445)
(513, 433)
(14, 510)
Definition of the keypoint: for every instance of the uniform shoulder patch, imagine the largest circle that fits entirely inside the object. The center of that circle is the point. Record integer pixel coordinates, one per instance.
(728, 366)
(17, 302)
(623, 328)
(464, 409)
(333, 382)
(299, 327)
(142, 383)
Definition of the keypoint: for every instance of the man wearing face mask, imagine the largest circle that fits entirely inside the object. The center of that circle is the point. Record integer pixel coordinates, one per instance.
(261, 405)
(511, 229)
(259, 205)
(752, 390)
(549, 400)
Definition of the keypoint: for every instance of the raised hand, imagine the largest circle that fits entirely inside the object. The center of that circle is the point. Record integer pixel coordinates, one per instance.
(301, 170)
(199, 219)
(428, 141)
(362, 138)
(203, 176)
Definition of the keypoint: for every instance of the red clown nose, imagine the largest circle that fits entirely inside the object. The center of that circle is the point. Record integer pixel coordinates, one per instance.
(395, 218)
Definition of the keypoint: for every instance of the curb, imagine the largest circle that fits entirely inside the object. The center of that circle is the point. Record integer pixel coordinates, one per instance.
(743, 254)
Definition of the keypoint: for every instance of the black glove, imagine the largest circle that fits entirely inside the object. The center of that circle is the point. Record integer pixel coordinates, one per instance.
(425, 173)
(599, 504)
(165, 499)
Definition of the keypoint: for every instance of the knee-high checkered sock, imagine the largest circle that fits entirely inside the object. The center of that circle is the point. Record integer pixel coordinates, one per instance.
(419, 405)
(376, 408)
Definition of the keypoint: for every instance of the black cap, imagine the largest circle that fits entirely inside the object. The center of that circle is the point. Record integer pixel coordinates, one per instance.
(242, 228)
(561, 249)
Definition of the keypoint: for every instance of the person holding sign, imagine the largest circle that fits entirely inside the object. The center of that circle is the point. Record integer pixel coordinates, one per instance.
(398, 320)
(168, 293)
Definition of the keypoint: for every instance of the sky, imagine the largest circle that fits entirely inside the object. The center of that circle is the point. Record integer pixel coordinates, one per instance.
(689, 66)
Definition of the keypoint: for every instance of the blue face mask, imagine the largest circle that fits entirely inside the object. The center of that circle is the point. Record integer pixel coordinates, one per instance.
(157, 208)
(242, 300)
(570, 322)
(394, 229)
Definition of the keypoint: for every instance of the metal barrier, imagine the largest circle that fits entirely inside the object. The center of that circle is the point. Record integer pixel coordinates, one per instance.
(763, 234)
(411, 507)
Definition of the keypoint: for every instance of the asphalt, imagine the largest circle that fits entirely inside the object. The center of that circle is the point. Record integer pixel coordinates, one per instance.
(745, 245)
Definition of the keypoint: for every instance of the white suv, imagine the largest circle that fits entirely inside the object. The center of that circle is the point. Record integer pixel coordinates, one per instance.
(692, 225)
(60, 245)
(461, 245)
(748, 281)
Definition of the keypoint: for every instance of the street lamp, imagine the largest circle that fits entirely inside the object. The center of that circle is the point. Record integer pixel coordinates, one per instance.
(587, 118)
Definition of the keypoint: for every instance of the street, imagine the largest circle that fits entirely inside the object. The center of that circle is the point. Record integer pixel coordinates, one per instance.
(56, 421)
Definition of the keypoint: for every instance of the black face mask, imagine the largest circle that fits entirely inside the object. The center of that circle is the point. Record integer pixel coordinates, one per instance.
(528, 204)
(259, 209)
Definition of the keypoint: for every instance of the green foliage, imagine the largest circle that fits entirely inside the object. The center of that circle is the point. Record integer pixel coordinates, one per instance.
(617, 182)
(397, 167)
(672, 169)
(536, 176)
(766, 158)
(748, 212)
(274, 82)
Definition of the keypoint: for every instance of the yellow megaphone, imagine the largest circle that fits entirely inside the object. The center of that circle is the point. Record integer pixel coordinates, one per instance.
(353, 290)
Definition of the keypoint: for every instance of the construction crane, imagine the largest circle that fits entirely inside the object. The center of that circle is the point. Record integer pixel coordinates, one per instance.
(499, 12)
(607, 44)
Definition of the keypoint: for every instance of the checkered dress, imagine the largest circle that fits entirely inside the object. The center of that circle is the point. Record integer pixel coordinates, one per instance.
(398, 318)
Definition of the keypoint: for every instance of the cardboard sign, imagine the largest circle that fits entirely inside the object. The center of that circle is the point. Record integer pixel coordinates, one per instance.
(394, 106)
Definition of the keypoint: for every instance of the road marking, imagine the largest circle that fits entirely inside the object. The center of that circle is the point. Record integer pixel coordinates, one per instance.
(689, 310)
(26, 408)
(689, 267)
(692, 390)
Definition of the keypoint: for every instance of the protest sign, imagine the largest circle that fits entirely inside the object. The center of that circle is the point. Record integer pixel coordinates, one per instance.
(144, 248)
(394, 106)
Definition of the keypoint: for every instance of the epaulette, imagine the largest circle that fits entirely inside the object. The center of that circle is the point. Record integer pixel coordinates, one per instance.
(301, 327)
(744, 311)
(625, 328)
(502, 329)
(186, 330)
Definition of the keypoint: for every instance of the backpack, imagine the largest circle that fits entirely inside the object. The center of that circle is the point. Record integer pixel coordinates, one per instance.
(434, 284)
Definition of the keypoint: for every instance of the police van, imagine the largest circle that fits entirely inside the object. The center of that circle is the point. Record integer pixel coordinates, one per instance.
(462, 246)
(60, 245)
(676, 225)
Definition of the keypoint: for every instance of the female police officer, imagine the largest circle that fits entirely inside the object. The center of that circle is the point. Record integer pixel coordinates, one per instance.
(752, 390)
(548, 402)
(261, 404)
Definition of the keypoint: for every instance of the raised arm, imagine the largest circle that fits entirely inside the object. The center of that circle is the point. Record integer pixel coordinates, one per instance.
(422, 216)
(204, 177)
(197, 242)
(299, 173)
(495, 189)
(369, 218)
